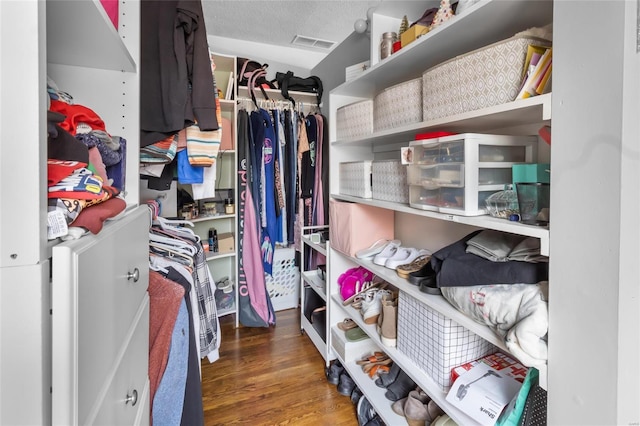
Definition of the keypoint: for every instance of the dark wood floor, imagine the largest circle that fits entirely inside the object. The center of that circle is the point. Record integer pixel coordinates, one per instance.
(271, 376)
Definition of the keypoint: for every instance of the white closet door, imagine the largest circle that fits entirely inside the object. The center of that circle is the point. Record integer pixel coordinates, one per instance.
(100, 324)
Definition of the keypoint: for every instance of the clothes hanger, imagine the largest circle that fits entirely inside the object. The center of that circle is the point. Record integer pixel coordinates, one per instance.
(174, 243)
(171, 252)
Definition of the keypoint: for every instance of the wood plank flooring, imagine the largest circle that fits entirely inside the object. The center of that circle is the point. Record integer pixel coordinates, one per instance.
(271, 376)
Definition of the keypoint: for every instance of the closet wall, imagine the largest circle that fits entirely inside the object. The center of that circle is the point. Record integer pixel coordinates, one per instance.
(77, 45)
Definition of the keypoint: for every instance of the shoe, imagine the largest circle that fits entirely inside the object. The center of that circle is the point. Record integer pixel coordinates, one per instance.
(388, 320)
(425, 272)
(346, 385)
(434, 411)
(387, 252)
(333, 372)
(365, 411)
(372, 305)
(400, 387)
(355, 334)
(356, 395)
(375, 421)
(425, 279)
(376, 283)
(398, 406)
(418, 263)
(385, 380)
(353, 280)
(347, 324)
(403, 256)
(415, 409)
(375, 248)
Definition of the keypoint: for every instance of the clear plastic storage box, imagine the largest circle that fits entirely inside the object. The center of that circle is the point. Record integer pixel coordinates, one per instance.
(456, 174)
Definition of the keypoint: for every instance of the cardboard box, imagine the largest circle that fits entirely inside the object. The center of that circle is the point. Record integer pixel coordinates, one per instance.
(413, 33)
(497, 361)
(226, 242)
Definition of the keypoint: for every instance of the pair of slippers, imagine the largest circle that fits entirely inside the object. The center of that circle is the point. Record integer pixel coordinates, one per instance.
(353, 281)
(397, 382)
(425, 279)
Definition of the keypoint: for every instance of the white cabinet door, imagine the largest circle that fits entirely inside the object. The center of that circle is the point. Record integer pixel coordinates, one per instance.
(99, 297)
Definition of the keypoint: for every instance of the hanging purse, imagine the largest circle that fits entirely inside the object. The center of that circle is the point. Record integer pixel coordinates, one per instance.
(287, 81)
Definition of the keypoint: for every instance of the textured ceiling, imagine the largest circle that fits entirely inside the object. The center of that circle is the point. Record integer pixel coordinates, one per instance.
(276, 22)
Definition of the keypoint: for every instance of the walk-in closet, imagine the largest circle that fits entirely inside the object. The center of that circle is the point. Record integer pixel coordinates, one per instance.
(337, 213)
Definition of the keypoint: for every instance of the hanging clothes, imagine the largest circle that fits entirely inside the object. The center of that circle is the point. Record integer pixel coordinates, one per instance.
(254, 308)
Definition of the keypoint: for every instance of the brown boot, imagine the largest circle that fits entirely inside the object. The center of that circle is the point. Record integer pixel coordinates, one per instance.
(388, 325)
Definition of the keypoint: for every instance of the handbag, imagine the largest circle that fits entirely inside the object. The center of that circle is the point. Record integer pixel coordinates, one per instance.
(253, 74)
(288, 81)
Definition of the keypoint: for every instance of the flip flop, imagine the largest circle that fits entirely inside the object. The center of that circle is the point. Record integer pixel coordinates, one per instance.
(355, 334)
(403, 271)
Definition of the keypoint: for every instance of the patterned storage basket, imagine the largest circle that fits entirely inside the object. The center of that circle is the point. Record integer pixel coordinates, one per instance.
(434, 342)
(398, 105)
(355, 120)
(389, 181)
(355, 178)
(485, 77)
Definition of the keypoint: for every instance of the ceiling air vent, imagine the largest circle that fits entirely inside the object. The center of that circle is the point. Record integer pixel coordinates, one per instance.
(316, 43)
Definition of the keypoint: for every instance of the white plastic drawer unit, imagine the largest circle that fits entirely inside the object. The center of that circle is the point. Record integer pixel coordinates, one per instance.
(455, 174)
(100, 322)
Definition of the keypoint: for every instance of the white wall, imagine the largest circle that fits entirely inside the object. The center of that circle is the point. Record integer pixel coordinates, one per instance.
(594, 244)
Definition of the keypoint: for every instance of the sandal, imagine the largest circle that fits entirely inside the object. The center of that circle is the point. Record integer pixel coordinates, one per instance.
(375, 248)
(357, 297)
(376, 357)
(347, 324)
(418, 263)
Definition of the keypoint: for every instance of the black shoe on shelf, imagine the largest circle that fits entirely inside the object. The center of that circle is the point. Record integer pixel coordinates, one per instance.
(364, 411)
(333, 372)
(346, 385)
(385, 379)
(356, 395)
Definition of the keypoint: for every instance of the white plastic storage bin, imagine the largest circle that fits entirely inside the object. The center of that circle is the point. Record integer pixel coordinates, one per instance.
(350, 351)
(485, 77)
(354, 120)
(389, 181)
(455, 174)
(355, 178)
(434, 342)
(398, 105)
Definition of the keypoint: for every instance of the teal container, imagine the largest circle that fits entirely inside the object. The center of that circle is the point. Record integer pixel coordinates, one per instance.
(537, 172)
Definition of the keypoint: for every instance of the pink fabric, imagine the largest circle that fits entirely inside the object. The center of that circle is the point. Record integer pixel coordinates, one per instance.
(252, 262)
(95, 159)
(355, 227)
(111, 7)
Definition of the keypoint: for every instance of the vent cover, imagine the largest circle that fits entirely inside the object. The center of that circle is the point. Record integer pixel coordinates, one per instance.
(312, 42)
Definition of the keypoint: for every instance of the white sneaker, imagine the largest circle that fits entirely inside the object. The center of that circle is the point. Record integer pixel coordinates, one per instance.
(372, 305)
(387, 252)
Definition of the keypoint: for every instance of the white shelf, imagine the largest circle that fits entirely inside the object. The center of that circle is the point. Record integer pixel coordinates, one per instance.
(485, 221)
(214, 256)
(319, 247)
(218, 217)
(511, 114)
(227, 105)
(408, 366)
(276, 95)
(487, 22)
(313, 334)
(312, 278)
(373, 393)
(80, 28)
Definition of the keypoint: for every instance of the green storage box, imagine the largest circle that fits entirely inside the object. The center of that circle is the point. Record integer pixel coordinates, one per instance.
(538, 172)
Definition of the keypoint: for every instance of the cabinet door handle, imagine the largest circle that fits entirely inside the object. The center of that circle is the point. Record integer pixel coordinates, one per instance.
(135, 275)
(133, 398)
